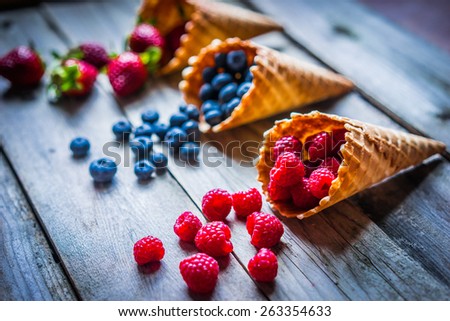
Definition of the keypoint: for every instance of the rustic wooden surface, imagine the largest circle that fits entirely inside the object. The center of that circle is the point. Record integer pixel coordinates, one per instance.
(388, 243)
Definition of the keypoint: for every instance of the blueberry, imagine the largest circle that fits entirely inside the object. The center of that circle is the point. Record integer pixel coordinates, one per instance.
(150, 116)
(220, 59)
(177, 119)
(182, 108)
(231, 105)
(141, 146)
(143, 130)
(160, 130)
(228, 92)
(175, 137)
(243, 88)
(122, 130)
(192, 112)
(248, 77)
(208, 74)
(159, 160)
(103, 170)
(209, 105)
(143, 170)
(213, 117)
(189, 151)
(207, 92)
(191, 129)
(80, 146)
(221, 80)
(236, 61)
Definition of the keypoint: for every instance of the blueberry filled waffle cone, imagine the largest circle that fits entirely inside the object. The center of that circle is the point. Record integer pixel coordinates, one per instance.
(339, 158)
(274, 83)
(189, 25)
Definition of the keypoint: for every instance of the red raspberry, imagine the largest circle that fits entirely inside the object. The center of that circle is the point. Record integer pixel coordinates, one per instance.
(265, 229)
(214, 239)
(302, 197)
(338, 136)
(247, 202)
(200, 272)
(310, 166)
(288, 170)
(263, 267)
(320, 182)
(278, 193)
(187, 226)
(148, 249)
(287, 144)
(332, 164)
(319, 146)
(216, 204)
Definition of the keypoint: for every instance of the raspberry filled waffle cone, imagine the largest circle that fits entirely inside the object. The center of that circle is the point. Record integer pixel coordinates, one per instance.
(339, 157)
(189, 25)
(276, 83)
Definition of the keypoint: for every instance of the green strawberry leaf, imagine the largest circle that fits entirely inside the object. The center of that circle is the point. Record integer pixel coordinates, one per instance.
(151, 57)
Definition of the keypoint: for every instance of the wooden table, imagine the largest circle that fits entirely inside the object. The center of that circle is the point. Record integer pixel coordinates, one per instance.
(62, 238)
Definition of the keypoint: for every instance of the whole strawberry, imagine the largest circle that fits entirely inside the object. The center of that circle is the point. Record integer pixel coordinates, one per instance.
(92, 53)
(73, 78)
(144, 36)
(127, 73)
(22, 66)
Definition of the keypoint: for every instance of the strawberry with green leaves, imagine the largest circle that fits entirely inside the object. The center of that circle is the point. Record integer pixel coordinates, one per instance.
(22, 66)
(72, 78)
(92, 53)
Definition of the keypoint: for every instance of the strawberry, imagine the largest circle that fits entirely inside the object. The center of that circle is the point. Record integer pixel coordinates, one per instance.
(72, 78)
(127, 73)
(91, 52)
(144, 36)
(22, 66)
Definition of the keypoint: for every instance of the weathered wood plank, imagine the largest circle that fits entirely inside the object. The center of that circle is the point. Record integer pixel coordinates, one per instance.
(345, 253)
(399, 73)
(94, 227)
(29, 270)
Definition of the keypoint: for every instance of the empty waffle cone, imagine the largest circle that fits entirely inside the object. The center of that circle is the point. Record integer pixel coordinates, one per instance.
(370, 154)
(280, 82)
(205, 20)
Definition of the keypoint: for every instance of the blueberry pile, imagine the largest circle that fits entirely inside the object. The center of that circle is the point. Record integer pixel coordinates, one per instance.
(224, 85)
(181, 136)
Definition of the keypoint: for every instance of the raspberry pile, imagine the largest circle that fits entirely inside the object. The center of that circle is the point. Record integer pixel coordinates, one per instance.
(303, 173)
(225, 83)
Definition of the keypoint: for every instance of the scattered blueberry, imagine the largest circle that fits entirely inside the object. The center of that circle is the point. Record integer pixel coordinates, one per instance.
(220, 59)
(248, 76)
(143, 170)
(231, 105)
(141, 146)
(177, 119)
(213, 117)
(220, 81)
(189, 151)
(175, 137)
(150, 116)
(236, 61)
(80, 146)
(122, 130)
(191, 129)
(207, 92)
(192, 112)
(243, 88)
(208, 74)
(182, 108)
(143, 130)
(228, 92)
(160, 130)
(159, 160)
(209, 105)
(103, 170)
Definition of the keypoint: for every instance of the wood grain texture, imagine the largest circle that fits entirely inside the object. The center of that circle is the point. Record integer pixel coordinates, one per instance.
(340, 254)
(29, 269)
(402, 75)
(94, 227)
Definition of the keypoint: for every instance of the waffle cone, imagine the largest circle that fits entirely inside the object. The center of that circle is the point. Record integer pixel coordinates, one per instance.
(280, 82)
(370, 155)
(207, 20)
